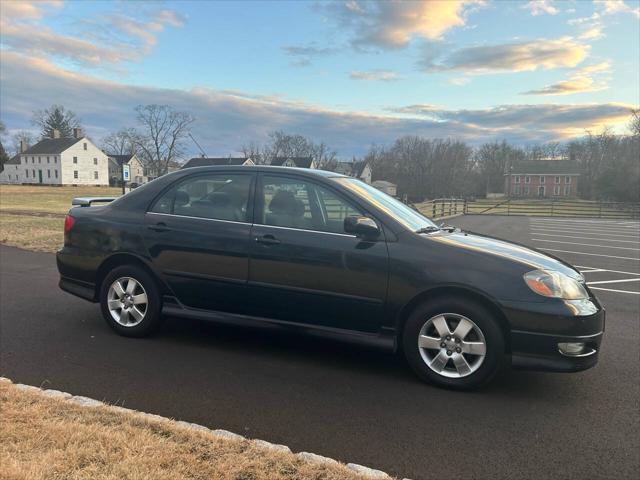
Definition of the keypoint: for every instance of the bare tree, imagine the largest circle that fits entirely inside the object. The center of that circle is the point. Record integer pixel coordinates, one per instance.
(634, 124)
(282, 144)
(22, 136)
(255, 152)
(122, 142)
(160, 140)
(56, 117)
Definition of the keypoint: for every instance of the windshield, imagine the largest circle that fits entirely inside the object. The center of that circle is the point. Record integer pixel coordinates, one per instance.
(402, 213)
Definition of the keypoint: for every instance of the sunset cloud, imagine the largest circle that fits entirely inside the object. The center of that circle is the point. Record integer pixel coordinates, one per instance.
(581, 81)
(393, 24)
(541, 7)
(523, 56)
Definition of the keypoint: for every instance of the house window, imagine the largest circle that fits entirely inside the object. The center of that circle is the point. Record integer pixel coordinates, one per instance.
(567, 180)
(557, 179)
(84, 145)
(48, 173)
(95, 161)
(33, 159)
(517, 179)
(526, 191)
(26, 173)
(516, 190)
(55, 159)
(56, 172)
(527, 179)
(95, 175)
(75, 174)
(47, 158)
(567, 190)
(542, 179)
(556, 189)
(75, 159)
(39, 159)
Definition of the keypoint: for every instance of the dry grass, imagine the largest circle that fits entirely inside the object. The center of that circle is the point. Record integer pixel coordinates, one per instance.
(31, 198)
(44, 438)
(40, 234)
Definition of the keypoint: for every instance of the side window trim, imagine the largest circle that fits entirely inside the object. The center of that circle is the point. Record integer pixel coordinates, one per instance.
(175, 185)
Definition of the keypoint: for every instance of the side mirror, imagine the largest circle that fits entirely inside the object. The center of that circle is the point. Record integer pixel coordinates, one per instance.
(362, 227)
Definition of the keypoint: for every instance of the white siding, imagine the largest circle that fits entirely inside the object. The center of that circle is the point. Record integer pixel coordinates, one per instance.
(11, 174)
(85, 165)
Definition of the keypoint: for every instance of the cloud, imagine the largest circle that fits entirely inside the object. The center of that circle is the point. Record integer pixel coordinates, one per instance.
(581, 81)
(458, 81)
(226, 120)
(509, 57)
(126, 39)
(303, 54)
(592, 33)
(550, 119)
(540, 7)
(612, 7)
(393, 24)
(374, 75)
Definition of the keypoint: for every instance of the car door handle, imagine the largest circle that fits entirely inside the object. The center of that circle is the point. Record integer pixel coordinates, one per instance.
(267, 240)
(159, 227)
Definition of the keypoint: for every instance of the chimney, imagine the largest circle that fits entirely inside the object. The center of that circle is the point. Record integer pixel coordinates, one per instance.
(23, 146)
(77, 133)
(56, 133)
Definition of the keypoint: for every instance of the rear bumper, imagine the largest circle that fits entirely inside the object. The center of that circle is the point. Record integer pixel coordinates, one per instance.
(78, 288)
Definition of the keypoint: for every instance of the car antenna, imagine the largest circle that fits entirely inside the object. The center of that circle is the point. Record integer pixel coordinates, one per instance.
(204, 155)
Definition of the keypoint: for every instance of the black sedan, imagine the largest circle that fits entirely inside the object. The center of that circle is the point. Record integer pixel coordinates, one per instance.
(330, 255)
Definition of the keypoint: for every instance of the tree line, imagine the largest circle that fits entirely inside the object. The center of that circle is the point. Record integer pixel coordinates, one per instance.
(421, 167)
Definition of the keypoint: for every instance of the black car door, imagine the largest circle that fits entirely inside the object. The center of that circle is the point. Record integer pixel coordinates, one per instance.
(198, 236)
(304, 268)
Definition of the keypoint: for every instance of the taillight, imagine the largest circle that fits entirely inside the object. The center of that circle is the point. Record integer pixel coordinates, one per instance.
(68, 225)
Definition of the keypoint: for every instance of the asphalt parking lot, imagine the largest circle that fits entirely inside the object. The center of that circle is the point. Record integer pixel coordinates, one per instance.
(352, 403)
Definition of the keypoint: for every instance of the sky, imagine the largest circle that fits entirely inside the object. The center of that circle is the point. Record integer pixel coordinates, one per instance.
(350, 73)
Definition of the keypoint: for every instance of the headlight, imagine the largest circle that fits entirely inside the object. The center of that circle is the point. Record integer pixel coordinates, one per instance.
(555, 285)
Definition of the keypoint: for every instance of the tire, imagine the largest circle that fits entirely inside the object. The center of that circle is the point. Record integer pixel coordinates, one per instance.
(446, 355)
(124, 310)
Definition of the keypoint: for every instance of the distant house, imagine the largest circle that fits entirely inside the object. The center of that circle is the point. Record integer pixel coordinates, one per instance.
(11, 170)
(208, 161)
(387, 187)
(542, 179)
(137, 173)
(60, 161)
(299, 162)
(360, 170)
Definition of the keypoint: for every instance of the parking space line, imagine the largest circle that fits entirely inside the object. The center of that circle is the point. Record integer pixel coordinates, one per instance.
(575, 229)
(587, 238)
(583, 244)
(614, 281)
(598, 269)
(576, 220)
(599, 233)
(614, 290)
(590, 254)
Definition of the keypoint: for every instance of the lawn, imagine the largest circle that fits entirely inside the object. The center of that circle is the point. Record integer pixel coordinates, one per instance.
(45, 437)
(28, 198)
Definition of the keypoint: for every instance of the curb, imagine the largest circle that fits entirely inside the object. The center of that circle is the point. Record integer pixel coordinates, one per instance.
(87, 402)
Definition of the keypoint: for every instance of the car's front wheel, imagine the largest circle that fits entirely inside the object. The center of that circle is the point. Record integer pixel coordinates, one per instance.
(454, 343)
(131, 302)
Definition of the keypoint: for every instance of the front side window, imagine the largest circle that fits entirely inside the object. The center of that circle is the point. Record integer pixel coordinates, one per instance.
(556, 190)
(407, 216)
(75, 159)
(56, 172)
(542, 179)
(95, 175)
(567, 180)
(516, 190)
(216, 197)
(567, 190)
(95, 161)
(517, 179)
(298, 203)
(75, 174)
(527, 179)
(557, 179)
(26, 173)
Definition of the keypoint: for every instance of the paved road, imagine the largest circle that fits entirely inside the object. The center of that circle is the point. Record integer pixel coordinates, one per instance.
(350, 403)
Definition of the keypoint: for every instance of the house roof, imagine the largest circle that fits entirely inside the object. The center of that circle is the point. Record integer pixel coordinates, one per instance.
(120, 159)
(207, 161)
(546, 167)
(358, 167)
(383, 183)
(51, 146)
(300, 162)
(15, 160)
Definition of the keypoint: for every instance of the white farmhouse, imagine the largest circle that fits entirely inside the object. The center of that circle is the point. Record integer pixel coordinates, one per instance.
(60, 161)
(11, 170)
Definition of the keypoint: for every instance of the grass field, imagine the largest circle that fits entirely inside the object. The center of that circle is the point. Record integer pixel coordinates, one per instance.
(31, 217)
(44, 438)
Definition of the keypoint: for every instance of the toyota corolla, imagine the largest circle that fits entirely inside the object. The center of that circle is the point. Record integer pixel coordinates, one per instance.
(330, 255)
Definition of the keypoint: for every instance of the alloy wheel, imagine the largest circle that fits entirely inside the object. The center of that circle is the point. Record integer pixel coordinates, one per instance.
(127, 301)
(452, 345)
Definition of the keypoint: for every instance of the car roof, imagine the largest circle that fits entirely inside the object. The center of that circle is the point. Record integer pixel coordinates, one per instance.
(312, 172)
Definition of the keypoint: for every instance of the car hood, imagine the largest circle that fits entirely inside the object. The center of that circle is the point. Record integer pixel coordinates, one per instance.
(506, 250)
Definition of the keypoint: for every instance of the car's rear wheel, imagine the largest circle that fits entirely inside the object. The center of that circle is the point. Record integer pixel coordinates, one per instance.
(453, 342)
(131, 302)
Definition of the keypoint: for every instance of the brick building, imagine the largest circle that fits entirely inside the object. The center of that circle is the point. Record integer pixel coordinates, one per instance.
(542, 179)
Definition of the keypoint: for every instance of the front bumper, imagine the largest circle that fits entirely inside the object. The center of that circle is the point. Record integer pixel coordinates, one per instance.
(537, 332)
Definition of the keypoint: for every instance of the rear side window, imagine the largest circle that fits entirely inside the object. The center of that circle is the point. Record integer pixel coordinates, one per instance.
(216, 197)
